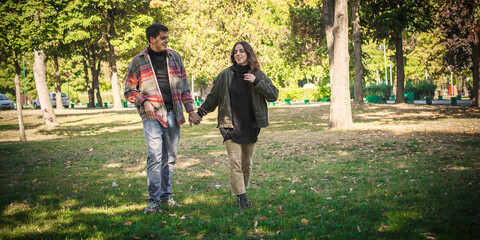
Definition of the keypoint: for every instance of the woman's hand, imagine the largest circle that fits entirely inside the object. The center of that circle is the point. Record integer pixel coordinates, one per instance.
(249, 77)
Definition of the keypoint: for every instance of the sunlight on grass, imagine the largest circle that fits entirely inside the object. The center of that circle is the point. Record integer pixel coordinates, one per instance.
(112, 165)
(405, 172)
(471, 126)
(15, 208)
(112, 211)
(201, 198)
(185, 163)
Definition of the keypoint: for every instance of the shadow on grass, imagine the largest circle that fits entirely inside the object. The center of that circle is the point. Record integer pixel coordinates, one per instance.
(27, 126)
(375, 112)
(348, 185)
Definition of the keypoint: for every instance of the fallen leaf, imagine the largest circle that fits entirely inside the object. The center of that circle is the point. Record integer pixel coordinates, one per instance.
(279, 209)
(304, 221)
(127, 223)
(382, 228)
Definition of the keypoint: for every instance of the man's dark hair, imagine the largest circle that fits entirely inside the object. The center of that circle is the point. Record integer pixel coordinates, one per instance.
(154, 30)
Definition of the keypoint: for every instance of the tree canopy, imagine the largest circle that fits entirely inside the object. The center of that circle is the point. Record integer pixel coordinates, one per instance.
(289, 37)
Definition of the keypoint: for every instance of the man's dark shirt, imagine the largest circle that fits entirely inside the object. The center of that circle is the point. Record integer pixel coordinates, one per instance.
(159, 62)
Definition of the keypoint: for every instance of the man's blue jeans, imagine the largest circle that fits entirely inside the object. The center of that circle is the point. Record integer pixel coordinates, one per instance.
(162, 146)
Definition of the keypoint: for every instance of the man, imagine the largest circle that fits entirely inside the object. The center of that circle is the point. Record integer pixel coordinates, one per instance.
(157, 84)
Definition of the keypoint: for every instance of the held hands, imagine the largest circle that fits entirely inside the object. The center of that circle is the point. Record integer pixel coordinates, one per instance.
(150, 111)
(194, 118)
(249, 77)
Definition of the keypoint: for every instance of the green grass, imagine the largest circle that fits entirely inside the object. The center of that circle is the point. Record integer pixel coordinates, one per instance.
(405, 172)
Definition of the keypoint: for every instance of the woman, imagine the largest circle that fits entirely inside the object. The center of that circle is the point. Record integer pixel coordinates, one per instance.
(240, 92)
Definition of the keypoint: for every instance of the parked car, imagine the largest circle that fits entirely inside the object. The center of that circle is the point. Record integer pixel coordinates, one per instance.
(6, 103)
(53, 100)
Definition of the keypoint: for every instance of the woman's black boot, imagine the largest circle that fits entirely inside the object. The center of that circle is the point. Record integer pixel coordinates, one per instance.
(242, 201)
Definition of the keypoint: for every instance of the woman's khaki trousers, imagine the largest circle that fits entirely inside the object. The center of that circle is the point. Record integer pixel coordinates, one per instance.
(240, 157)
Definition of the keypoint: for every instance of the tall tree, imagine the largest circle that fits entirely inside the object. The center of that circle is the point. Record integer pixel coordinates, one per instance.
(336, 28)
(118, 14)
(85, 34)
(49, 117)
(39, 70)
(357, 52)
(111, 13)
(306, 43)
(459, 24)
(11, 42)
(18, 98)
(392, 21)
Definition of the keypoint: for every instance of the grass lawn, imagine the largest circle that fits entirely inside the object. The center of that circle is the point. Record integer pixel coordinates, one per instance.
(405, 172)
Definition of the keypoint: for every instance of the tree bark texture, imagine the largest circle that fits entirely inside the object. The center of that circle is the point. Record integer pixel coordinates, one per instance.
(18, 97)
(400, 97)
(336, 28)
(117, 100)
(49, 117)
(91, 99)
(357, 53)
(95, 72)
(58, 86)
(476, 67)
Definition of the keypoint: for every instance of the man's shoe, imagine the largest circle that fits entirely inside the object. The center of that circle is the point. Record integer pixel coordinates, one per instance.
(242, 201)
(152, 207)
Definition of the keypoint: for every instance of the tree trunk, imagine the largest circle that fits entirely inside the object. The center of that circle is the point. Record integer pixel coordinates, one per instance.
(87, 80)
(357, 53)
(95, 72)
(476, 67)
(400, 97)
(58, 88)
(117, 100)
(336, 28)
(18, 97)
(49, 117)
(97, 85)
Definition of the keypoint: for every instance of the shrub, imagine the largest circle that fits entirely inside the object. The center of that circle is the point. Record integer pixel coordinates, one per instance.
(469, 86)
(299, 94)
(381, 90)
(425, 88)
(409, 87)
(325, 92)
(294, 94)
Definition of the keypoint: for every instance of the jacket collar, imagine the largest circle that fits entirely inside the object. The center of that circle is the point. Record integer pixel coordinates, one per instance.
(145, 52)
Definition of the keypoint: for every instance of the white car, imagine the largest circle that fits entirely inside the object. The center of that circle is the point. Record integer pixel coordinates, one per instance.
(6, 103)
(53, 100)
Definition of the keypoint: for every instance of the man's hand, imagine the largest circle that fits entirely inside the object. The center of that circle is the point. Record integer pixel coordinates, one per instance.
(194, 118)
(149, 110)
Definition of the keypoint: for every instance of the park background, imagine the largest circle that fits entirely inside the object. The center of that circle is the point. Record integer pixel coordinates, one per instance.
(401, 171)
(87, 45)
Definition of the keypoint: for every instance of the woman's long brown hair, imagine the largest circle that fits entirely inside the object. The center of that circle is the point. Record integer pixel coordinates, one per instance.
(251, 56)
